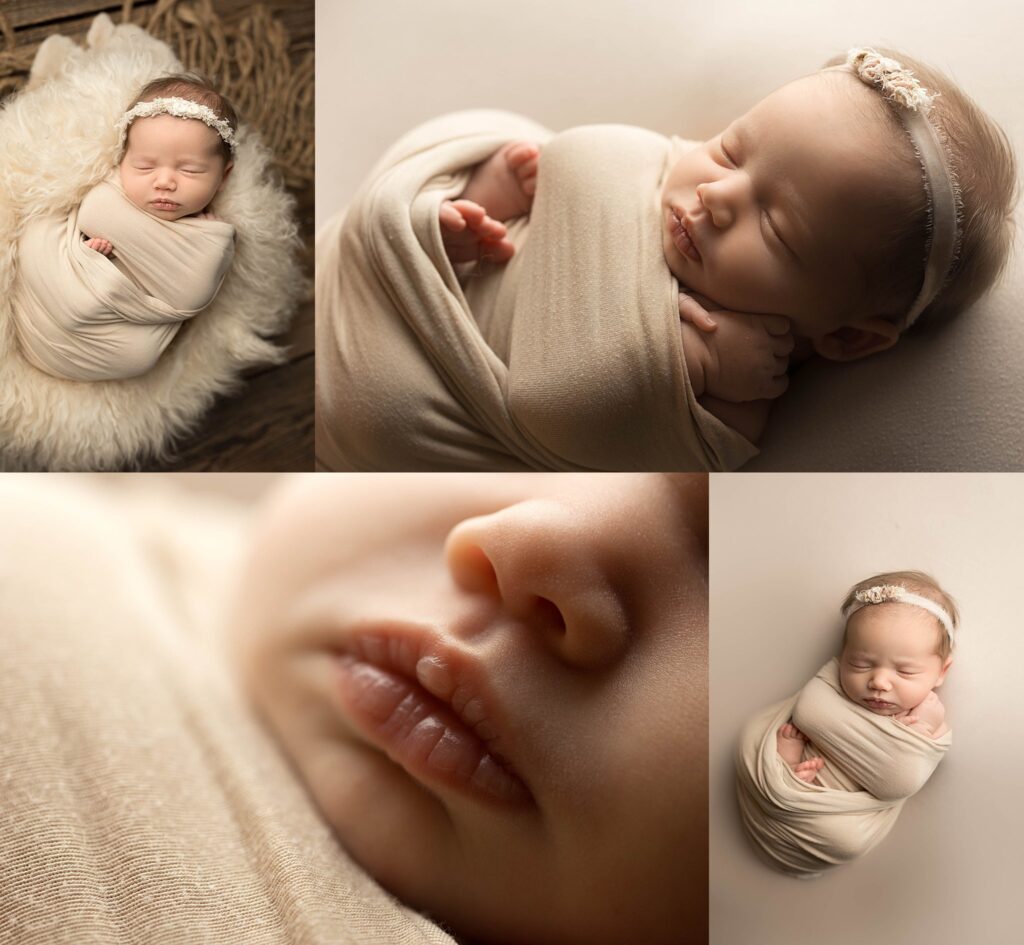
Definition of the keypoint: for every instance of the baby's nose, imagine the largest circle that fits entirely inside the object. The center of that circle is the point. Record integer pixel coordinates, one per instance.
(879, 682)
(530, 558)
(717, 202)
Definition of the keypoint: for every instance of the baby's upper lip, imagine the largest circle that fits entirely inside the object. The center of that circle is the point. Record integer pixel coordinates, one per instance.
(687, 223)
(454, 677)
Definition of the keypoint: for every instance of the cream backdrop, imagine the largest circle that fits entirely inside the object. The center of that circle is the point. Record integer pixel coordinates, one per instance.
(955, 402)
(784, 551)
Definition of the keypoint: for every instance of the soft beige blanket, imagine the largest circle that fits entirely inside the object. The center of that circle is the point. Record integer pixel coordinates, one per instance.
(569, 358)
(141, 803)
(873, 764)
(86, 317)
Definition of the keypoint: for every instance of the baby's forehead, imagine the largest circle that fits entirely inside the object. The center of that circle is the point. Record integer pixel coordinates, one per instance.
(171, 131)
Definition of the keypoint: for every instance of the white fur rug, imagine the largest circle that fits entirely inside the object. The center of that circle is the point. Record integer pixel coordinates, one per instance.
(57, 139)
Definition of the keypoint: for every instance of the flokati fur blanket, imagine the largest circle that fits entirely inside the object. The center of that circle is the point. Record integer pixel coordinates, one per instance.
(569, 358)
(57, 141)
(873, 764)
(86, 317)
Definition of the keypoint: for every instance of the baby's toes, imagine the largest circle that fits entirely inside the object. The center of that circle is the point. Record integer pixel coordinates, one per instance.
(522, 158)
(470, 211)
(450, 217)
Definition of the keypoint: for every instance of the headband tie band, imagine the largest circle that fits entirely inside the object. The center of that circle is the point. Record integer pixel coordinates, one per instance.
(179, 108)
(886, 593)
(913, 103)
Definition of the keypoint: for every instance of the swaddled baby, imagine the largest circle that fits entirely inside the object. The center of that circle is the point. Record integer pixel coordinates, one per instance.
(827, 219)
(823, 776)
(101, 293)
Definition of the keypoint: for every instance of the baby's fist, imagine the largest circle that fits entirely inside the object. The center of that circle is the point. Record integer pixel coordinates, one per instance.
(100, 245)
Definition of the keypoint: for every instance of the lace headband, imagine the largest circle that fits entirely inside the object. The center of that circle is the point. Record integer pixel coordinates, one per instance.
(885, 593)
(179, 108)
(913, 103)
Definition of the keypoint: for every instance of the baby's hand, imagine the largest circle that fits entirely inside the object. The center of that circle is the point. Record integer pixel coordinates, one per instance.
(746, 355)
(207, 216)
(928, 717)
(100, 245)
(470, 234)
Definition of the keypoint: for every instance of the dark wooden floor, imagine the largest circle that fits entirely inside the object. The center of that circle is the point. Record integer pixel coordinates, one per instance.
(266, 425)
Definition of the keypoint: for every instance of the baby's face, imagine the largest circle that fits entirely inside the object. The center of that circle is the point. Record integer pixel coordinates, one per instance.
(780, 207)
(495, 689)
(890, 662)
(172, 167)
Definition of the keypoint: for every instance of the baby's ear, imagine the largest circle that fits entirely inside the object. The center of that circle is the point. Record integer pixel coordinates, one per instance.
(851, 342)
(227, 170)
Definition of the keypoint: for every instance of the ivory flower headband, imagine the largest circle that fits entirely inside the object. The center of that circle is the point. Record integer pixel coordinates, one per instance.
(884, 593)
(913, 103)
(179, 108)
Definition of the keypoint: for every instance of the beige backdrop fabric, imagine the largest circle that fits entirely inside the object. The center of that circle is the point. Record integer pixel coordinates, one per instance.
(955, 401)
(784, 551)
(140, 801)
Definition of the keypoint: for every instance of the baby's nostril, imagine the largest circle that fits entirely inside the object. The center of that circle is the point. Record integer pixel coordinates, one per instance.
(550, 614)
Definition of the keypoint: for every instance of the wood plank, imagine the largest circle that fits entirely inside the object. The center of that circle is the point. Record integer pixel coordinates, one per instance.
(296, 17)
(21, 13)
(266, 427)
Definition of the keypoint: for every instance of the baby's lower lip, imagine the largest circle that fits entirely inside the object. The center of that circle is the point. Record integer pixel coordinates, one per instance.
(422, 734)
(877, 702)
(165, 204)
(680, 238)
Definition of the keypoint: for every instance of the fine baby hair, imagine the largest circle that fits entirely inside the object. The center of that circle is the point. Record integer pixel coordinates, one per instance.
(190, 87)
(887, 587)
(980, 169)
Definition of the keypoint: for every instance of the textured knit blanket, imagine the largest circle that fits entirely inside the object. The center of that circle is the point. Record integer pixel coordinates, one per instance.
(86, 317)
(568, 358)
(141, 801)
(873, 763)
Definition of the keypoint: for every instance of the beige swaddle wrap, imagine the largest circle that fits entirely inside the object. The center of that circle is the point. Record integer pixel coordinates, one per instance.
(568, 358)
(873, 763)
(86, 317)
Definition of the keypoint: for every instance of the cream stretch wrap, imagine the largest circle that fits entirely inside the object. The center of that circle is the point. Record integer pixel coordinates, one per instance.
(873, 763)
(86, 317)
(569, 358)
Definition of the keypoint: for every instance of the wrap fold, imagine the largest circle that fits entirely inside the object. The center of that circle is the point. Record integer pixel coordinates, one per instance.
(86, 317)
(873, 763)
(568, 358)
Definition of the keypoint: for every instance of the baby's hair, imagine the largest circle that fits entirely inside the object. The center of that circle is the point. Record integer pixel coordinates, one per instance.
(917, 582)
(982, 162)
(194, 88)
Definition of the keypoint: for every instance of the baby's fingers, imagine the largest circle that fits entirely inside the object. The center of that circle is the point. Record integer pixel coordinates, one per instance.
(775, 324)
(693, 312)
(450, 217)
(781, 345)
(776, 386)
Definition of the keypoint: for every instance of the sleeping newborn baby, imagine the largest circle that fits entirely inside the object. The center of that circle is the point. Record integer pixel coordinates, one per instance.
(494, 687)
(823, 776)
(101, 293)
(842, 207)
